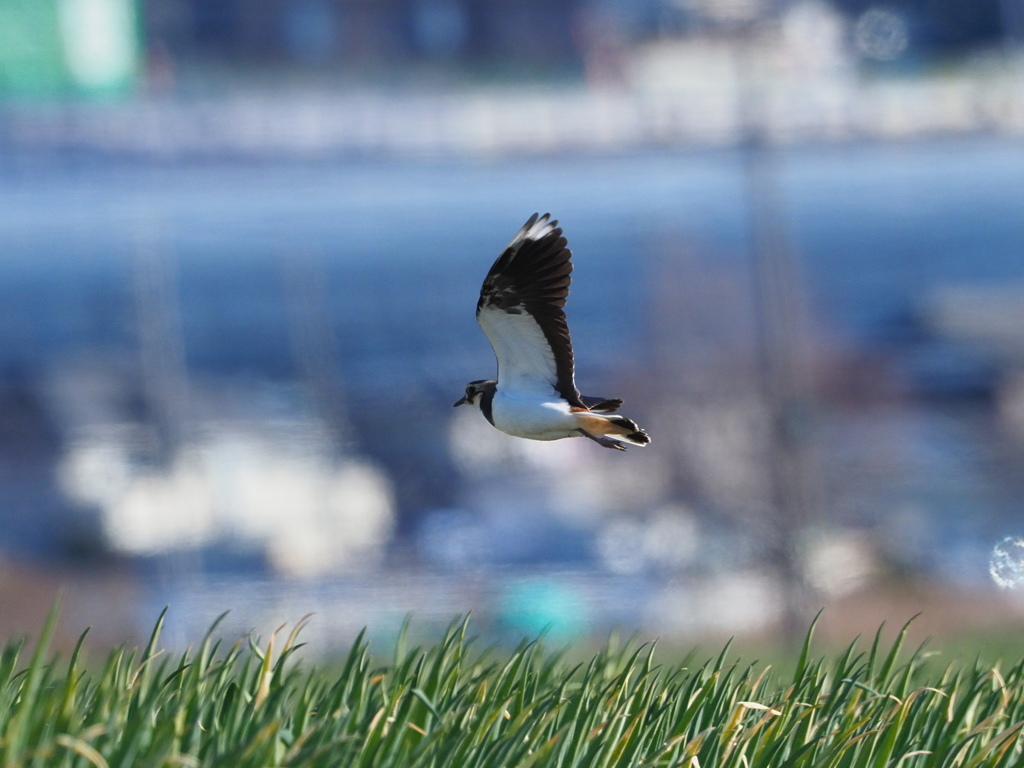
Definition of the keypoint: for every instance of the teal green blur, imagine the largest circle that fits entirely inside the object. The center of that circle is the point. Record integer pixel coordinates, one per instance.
(69, 49)
(545, 605)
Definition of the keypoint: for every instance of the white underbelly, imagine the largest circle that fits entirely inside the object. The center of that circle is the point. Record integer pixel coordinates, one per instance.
(532, 417)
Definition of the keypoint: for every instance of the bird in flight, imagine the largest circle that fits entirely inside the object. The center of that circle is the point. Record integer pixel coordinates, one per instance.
(520, 311)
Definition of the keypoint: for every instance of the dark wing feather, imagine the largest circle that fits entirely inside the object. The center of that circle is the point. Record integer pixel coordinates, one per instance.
(532, 275)
(602, 404)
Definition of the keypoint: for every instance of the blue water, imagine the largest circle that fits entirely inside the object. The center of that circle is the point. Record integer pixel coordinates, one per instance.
(876, 226)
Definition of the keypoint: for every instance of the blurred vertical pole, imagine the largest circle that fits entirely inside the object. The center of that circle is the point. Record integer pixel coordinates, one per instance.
(165, 386)
(1012, 13)
(314, 347)
(161, 343)
(779, 297)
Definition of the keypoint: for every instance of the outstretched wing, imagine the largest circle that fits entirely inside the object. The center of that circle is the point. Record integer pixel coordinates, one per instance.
(520, 311)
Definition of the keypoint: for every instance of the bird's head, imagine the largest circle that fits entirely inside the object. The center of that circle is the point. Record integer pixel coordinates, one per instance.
(474, 391)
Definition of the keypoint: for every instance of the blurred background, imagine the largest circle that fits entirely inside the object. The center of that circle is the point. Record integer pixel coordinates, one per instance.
(241, 248)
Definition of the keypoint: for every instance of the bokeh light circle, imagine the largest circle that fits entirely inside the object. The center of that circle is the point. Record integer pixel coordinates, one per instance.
(881, 34)
(1006, 563)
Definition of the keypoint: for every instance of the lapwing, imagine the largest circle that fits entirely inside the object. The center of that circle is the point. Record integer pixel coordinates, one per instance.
(520, 311)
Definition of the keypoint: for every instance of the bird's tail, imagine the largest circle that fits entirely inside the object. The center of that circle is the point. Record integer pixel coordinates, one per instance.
(616, 427)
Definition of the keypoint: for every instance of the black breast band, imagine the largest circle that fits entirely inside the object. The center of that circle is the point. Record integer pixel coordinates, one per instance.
(486, 399)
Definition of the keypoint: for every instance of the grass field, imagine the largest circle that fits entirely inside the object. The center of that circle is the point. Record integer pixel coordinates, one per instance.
(256, 703)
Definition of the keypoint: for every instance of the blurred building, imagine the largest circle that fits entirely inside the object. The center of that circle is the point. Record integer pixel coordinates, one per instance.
(102, 47)
(527, 33)
(379, 33)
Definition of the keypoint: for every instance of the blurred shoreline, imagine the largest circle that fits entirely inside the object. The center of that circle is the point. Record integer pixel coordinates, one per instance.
(313, 122)
(951, 618)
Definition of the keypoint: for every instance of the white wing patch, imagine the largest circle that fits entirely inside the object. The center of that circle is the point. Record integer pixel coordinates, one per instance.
(526, 362)
(537, 232)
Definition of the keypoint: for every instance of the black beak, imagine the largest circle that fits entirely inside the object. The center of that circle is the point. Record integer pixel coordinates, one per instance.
(463, 401)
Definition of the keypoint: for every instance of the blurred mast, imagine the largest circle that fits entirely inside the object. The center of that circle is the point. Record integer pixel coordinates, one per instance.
(165, 386)
(782, 339)
(1012, 13)
(314, 347)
